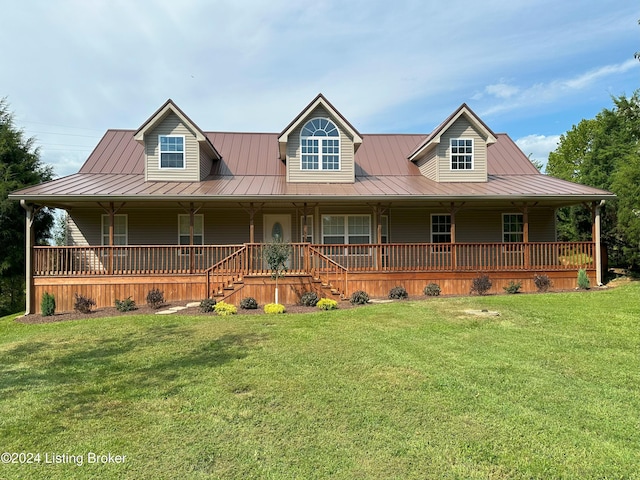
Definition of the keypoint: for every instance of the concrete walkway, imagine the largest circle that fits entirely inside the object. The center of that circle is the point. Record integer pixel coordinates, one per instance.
(171, 310)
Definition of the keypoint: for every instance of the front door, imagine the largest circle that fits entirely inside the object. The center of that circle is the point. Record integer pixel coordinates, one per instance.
(277, 228)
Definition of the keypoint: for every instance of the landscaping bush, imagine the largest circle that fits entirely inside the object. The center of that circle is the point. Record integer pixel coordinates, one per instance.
(274, 308)
(542, 282)
(48, 304)
(223, 309)
(155, 298)
(309, 299)
(359, 297)
(83, 304)
(206, 305)
(481, 285)
(327, 304)
(125, 305)
(432, 290)
(398, 293)
(583, 280)
(248, 303)
(513, 287)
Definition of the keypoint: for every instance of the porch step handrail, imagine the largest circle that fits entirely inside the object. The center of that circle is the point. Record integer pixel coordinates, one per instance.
(227, 271)
(339, 273)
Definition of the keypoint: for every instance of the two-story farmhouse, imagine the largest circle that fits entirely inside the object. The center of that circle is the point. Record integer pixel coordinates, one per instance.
(173, 207)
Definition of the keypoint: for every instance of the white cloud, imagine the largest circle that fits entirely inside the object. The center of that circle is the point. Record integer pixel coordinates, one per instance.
(538, 146)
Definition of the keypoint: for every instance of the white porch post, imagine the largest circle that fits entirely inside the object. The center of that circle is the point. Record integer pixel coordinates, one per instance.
(28, 255)
(597, 245)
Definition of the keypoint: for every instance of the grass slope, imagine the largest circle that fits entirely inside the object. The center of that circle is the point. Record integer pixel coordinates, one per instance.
(549, 389)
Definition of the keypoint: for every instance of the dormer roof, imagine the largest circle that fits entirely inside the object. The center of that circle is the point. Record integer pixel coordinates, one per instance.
(160, 114)
(320, 100)
(434, 137)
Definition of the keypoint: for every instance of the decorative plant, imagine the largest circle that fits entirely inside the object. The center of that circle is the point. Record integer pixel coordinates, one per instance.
(155, 298)
(583, 280)
(309, 299)
(542, 282)
(223, 309)
(398, 293)
(206, 305)
(48, 304)
(481, 285)
(274, 308)
(327, 304)
(513, 287)
(125, 305)
(83, 304)
(359, 297)
(276, 254)
(432, 290)
(248, 303)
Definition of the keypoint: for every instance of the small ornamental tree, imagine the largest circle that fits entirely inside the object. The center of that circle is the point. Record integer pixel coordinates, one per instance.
(276, 254)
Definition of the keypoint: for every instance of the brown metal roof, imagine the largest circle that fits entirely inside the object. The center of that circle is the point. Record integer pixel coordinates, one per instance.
(250, 169)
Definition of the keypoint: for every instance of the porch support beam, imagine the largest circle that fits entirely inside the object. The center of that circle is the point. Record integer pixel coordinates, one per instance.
(191, 210)
(252, 210)
(596, 239)
(30, 212)
(453, 209)
(305, 213)
(524, 209)
(111, 210)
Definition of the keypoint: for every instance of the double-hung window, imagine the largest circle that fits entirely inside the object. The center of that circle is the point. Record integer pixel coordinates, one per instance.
(346, 229)
(461, 154)
(320, 145)
(440, 228)
(184, 230)
(120, 233)
(512, 227)
(172, 151)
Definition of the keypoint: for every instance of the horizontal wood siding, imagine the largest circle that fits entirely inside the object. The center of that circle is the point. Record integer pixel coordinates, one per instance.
(346, 174)
(81, 233)
(205, 164)
(172, 125)
(462, 128)
(428, 164)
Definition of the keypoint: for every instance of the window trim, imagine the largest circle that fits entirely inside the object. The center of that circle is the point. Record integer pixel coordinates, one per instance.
(505, 233)
(440, 233)
(451, 154)
(105, 221)
(184, 152)
(346, 228)
(321, 140)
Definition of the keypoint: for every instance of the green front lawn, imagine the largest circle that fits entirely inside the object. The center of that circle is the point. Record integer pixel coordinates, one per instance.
(548, 389)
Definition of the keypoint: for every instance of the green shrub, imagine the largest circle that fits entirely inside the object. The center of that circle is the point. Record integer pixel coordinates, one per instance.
(432, 290)
(48, 304)
(542, 282)
(248, 303)
(359, 297)
(583, 280)
(513, 287)
(309, 299)
(83, 304)
(481, 285)
(125, 305)
(223, 309)
(398, 293)
(274, 308)
(327, 304)
(206, 305)
(155, 298)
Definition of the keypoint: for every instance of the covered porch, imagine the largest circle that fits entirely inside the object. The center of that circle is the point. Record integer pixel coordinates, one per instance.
(232, 272)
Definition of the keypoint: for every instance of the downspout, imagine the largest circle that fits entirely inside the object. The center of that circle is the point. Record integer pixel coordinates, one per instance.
(28, 255)
(598, 246)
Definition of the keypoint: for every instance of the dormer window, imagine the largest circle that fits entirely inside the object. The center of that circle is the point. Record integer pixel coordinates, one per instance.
(320, 145)
(461, 154)
(172, 151)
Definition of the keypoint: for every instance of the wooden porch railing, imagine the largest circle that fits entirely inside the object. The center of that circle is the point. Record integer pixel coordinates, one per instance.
(309, 259)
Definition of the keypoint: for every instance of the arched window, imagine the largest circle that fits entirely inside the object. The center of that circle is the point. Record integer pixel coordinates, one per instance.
(320, 145)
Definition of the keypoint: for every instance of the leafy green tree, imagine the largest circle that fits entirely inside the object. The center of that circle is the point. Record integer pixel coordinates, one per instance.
(20, 166)
(603, 152)
(276, 254)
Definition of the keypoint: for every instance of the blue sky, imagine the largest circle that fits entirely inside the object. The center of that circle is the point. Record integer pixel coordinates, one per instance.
(530, 68)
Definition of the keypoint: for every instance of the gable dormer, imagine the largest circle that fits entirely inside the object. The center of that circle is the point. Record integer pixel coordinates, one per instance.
(456, 151)
(175, 148)
(319, 145)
